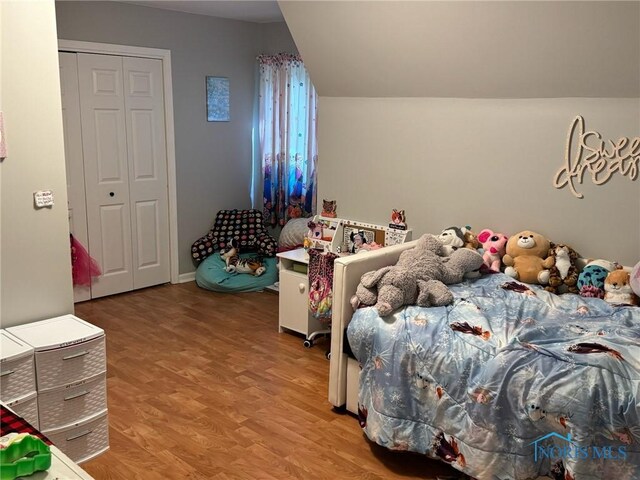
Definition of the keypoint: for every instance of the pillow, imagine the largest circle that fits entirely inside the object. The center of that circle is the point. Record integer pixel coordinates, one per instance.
(293, 233)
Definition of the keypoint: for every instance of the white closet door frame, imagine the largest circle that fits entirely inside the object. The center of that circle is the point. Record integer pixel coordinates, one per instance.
(165, 56)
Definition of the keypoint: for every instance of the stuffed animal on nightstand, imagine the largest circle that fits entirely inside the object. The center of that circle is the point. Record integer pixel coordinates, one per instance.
(617, 288)
(494, 245)
(563, 275)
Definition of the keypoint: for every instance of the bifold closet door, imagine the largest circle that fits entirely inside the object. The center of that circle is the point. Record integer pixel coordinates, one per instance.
(146, 146)
(125, 170)
(73, 158)
(106, 171)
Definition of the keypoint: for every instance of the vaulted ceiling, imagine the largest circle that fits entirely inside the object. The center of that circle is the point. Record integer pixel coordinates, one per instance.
(469, 49)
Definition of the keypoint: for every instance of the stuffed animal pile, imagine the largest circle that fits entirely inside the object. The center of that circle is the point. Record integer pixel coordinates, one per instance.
(422, 273)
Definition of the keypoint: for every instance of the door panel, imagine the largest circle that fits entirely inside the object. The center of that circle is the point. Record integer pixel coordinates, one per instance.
(104, 144)
(147, 234)
(113, 219)
(144, 103)
(73, 158)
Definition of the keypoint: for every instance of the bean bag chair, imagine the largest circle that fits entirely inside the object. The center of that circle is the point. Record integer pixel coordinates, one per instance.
(211, 275)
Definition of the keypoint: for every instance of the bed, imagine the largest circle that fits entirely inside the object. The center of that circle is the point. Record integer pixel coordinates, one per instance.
(509, 382)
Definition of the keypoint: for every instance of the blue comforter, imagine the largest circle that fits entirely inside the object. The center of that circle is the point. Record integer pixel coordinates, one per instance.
(509, 382)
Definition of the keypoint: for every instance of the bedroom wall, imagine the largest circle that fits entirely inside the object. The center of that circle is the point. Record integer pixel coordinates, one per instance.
(214, 160)
(485, 163)
(458, 112)
(35, 274)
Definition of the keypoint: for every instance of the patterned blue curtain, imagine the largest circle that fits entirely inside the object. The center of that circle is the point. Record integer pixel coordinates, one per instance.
(288, 138)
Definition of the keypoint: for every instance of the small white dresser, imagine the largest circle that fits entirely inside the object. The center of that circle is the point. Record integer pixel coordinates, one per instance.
(70, 373)
(293, 312)
(18, 377)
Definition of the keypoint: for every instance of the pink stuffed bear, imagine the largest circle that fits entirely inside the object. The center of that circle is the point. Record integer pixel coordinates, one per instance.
(494, 245)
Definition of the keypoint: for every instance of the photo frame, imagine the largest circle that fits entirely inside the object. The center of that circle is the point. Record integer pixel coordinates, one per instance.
(217, 97)
(355, 236)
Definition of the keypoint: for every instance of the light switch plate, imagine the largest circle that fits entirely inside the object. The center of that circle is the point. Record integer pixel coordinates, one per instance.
(43, 198)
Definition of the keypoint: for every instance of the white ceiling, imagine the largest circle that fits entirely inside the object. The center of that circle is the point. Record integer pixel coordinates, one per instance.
(259, 11)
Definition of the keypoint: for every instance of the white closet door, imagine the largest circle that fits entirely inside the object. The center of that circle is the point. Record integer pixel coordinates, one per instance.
(73, 158)
(144, 105)
(104, 140)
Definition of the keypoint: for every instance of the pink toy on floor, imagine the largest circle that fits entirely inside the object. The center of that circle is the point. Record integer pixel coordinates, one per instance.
(494, 245)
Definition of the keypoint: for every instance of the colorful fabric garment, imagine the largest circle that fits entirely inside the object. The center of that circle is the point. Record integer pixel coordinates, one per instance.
(83, 266)
(321, 283)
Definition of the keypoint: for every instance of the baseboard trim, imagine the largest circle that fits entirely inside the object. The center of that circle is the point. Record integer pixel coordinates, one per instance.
(186, 277)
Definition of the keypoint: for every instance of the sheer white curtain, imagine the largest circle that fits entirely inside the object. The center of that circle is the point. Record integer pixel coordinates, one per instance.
(288, 138)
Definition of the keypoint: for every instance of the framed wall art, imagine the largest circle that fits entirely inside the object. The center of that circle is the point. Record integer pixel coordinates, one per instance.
(217, 99)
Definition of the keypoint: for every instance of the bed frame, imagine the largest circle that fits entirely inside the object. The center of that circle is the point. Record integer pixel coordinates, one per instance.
(344, 371)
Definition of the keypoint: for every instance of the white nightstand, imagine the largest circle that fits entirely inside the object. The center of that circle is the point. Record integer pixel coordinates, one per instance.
(294, 297)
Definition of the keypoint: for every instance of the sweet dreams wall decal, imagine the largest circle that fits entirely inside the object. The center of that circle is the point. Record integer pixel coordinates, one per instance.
(587, 151)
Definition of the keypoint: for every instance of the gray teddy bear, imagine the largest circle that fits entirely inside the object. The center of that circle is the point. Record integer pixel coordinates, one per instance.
(419, 278)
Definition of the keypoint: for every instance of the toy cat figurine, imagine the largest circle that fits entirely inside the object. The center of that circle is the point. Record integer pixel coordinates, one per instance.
(235, 264)
(329, 208)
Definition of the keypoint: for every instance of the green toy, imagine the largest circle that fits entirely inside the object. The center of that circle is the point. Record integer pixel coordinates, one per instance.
(21, 455)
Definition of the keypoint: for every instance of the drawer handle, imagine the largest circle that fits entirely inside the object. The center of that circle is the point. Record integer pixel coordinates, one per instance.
(80, 435)
(6, 372)
(76, 355)
(302, 287)
(81, 394)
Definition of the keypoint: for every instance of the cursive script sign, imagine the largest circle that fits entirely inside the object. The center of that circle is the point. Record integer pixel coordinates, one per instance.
(588, 152)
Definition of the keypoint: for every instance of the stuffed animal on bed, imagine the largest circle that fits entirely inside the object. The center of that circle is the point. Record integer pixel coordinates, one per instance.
(617, 287)
(526, 257)
(494, 245)
(591, 279)
(635, 279)
(563, 275)
(451, 238)
(470, 239)
(419, 278)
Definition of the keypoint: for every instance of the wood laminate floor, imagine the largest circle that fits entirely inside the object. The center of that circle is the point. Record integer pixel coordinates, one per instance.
(202, 386)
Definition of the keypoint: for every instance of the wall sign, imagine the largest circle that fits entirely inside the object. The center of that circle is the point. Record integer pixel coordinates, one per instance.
(589, 152)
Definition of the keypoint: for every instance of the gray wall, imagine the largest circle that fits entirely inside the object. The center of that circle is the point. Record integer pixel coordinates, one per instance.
(472, 156)
(35, 275)
(213, 160)
(485, 163)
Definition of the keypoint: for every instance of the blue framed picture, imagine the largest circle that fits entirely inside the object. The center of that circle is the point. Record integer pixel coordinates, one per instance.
(217, 99)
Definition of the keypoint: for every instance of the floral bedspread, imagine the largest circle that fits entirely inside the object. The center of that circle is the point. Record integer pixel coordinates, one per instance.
(509, 382)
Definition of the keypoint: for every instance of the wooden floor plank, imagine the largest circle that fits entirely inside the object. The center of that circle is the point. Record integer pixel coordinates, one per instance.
(202, 386)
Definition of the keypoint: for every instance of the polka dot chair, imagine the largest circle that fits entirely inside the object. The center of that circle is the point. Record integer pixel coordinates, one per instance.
(245, 226)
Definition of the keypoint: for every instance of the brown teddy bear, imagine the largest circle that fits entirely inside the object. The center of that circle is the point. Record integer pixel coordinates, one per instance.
(526, 257)
(563, 275)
